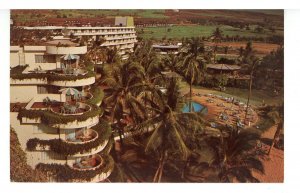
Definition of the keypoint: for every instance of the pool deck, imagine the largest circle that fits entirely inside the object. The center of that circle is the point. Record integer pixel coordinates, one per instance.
(233, 111)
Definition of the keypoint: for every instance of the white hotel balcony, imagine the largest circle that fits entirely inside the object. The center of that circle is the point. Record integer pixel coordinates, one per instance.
(66, 50)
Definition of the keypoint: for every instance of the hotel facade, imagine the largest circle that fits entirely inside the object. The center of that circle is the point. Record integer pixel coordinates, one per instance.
(55, 111)
(121, 36)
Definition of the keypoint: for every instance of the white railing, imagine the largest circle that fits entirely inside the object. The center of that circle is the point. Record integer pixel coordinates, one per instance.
(66, 50)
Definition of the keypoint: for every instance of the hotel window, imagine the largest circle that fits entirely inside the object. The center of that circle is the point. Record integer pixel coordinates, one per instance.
(42, 90)
(45, 155)
(44, 59)
(37, 130)
(39, 59)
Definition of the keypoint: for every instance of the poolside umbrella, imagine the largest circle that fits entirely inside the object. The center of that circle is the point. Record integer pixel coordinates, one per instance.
(71, 91)
(70, 57)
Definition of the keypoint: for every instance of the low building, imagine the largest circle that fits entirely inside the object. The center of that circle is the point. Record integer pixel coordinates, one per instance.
(166, 49)
(223, 68)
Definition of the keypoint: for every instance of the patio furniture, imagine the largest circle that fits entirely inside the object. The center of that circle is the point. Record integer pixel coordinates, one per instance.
(73, 109)
(221, 105)
(213, 125)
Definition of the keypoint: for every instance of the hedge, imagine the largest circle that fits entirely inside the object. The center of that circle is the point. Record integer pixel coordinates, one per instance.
(62, 147)
(51, 76)
(48, 117)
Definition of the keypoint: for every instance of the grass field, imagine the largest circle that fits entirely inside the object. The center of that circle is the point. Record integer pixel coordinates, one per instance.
(111, 13)
(241, 94)
(197, 30)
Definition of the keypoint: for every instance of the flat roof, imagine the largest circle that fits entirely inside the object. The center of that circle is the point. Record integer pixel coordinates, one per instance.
(73, 27)
(223, 66)
(166, 46)
(60, 41)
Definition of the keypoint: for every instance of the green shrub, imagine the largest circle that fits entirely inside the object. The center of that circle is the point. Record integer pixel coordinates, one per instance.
(59, 146)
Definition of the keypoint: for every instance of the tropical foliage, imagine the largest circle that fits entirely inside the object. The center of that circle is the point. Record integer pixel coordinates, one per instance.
(19, 170)
(65, 173)
(62, 147)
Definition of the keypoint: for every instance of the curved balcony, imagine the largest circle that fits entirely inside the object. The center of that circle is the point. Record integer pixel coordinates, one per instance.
(70, 72)
(97, 168)
(83, 137)
(91, 162)
(71, 78)
(66, 50)
(68, 109)
(77, 123)
(92, 151)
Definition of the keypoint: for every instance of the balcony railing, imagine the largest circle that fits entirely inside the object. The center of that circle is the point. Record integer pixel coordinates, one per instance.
(66, 50)
(71, 109)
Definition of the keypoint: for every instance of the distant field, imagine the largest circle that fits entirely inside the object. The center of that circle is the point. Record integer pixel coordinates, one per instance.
(171, 16)
(259, 47)
(198, 30)
(111, 13)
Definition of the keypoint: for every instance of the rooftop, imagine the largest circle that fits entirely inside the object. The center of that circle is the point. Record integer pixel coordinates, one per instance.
(223, 66)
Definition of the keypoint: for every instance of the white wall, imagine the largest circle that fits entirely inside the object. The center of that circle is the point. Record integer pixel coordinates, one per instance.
(30, 60)
(29, 131)
(22, 94)
(14, 59)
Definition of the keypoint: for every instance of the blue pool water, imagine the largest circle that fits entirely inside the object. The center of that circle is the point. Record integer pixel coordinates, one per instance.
(196, 107)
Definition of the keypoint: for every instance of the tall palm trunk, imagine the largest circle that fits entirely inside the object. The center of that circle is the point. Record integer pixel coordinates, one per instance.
(159, 171)
(190, 101)
(250, 91)
(276, 135)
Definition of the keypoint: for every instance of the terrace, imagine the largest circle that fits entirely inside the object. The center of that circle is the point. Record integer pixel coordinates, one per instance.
(70, 108)
(69, 72)
(91, 162)
(82, 136)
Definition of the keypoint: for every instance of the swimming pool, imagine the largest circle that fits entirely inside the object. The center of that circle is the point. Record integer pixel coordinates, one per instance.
(196, 107)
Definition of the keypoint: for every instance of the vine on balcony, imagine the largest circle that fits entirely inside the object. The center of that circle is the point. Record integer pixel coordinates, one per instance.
(65, 173)
(49, 117)
(59, 146)
(50, 76)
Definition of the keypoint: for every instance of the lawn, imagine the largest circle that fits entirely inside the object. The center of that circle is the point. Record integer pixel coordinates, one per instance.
(179, 32)
(146, 13)
(241, 94)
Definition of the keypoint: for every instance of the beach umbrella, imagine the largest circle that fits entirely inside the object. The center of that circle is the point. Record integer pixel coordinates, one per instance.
(70, 91)
(70, 57)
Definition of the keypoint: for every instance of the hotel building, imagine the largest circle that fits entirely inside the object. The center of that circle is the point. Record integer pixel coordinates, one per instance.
(121, 36)
(55, 111)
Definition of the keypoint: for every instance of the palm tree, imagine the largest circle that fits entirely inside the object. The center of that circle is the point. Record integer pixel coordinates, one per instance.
(195, 46)
(217, 35)
(234, 156)
(192, 68)
(113, 56)
(125, 83)
(171, 127)
(172, 62)
(192, 65)
(277, 114)
(255, 61)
